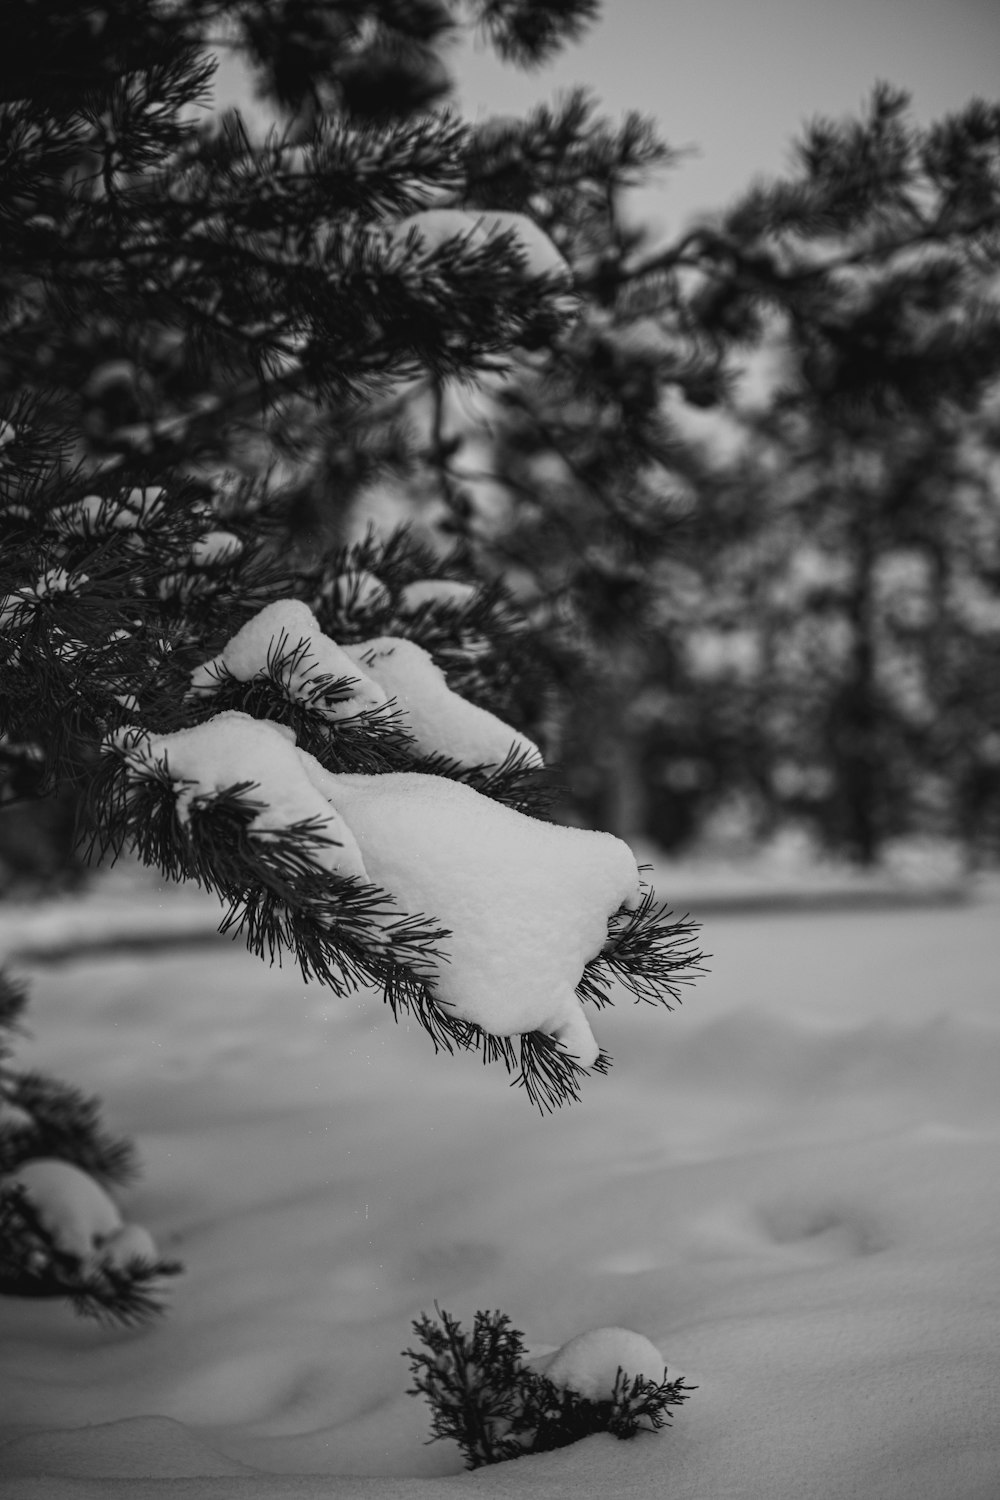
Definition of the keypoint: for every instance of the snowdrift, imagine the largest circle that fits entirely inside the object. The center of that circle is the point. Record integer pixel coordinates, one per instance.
(788, 1185)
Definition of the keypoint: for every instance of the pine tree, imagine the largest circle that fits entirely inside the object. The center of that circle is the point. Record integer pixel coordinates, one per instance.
(61, 1234)
(699, 662)
(214, 342)
(854, 544)
(194, 321)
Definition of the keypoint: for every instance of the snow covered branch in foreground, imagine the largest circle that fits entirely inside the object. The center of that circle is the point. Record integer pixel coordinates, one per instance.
(389, 682)
(485, 923)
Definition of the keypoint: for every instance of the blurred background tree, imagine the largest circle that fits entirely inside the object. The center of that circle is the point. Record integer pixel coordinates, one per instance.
(846, 649)
(800, 612)
(788, 603)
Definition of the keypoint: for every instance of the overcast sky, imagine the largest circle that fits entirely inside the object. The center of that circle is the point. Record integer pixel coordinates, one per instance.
(735, 78)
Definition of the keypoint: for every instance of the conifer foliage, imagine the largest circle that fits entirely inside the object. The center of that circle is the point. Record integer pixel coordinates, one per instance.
(291, 726)
(725, 593)
(486, 1397)
(61, 1234)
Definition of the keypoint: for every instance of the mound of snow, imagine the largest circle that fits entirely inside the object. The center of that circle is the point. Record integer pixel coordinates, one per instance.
(589, 1363)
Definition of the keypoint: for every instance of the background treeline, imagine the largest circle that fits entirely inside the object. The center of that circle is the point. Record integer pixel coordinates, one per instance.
(743, 483)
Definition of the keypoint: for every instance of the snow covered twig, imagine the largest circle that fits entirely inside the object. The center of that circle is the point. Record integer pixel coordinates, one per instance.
(61, 1233)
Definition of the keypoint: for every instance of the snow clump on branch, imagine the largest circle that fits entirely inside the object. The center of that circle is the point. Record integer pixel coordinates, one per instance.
(525, 905)
(284, 640)
(234, 749)
(312, 668)
(439, 720)
(82, 1220)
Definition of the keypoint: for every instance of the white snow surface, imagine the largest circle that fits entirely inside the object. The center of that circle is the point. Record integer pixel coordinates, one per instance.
(788, 1186)
(589, 1363)
(233, 748)
(526, 903)
(439, 720)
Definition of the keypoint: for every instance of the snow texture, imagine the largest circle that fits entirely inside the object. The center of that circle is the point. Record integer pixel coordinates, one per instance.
(589, 1363)
(439, 720)
(526, 903)
(233, 748)
(281, 628)
(789, 1185)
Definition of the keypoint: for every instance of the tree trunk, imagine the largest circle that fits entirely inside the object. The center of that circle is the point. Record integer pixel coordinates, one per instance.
(856, 727)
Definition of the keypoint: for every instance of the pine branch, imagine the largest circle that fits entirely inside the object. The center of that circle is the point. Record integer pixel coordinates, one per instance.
(128, 1296)
(32, 1265)
(51, 1118)
(529, 32)
(62, 1122)
(517, 781)
(367, 742)
(549, 1076)
(480, 642)
(278, 891)
(648, 953)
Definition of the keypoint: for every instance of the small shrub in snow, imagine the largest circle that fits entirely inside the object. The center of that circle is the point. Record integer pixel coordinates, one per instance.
(61, 1232)
(495, 1405)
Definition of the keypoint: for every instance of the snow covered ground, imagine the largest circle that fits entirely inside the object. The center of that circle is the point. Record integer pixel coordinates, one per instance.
(789, 1185)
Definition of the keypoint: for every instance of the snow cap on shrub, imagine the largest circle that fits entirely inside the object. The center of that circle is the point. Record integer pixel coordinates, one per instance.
(589, 1363)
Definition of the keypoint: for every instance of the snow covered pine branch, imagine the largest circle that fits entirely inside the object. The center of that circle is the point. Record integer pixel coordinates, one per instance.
(61, 1231)
(415, 874)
